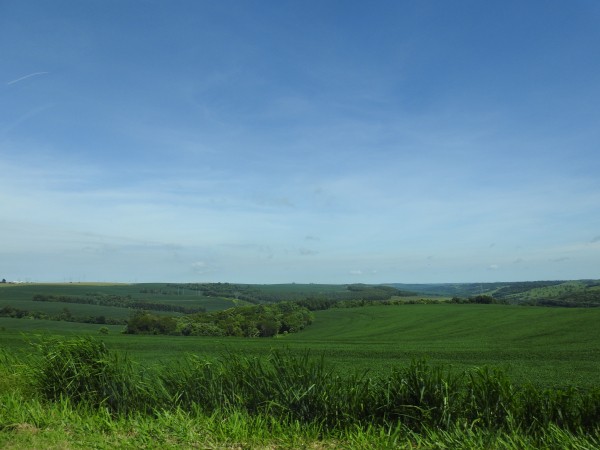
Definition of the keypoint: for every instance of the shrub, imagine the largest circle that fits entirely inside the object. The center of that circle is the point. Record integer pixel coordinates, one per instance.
(420, 395)
(84, 371)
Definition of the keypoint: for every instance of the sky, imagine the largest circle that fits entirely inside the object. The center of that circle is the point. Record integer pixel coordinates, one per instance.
(299, 141)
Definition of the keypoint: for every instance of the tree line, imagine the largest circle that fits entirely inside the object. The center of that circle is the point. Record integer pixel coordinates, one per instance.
(480, 300)
(119, 302)
(254, 294)
(242, 321)
(64, 315)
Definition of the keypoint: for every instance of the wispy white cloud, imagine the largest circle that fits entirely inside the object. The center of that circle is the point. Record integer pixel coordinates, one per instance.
(34, 74)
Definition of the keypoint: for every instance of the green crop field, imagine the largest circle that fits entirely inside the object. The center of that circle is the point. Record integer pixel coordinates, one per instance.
(21, 296)
(295, 288)
(549, 346)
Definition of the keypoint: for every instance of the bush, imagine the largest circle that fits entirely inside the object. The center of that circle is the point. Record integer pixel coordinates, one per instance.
(419, 396)
(145, 323)
(83, 371)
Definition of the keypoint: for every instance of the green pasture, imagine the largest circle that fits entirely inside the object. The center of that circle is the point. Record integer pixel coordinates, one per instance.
(543, 345)
(304, 289)
(21, 295)
(28, 290)
(547, 346)
(76, 309)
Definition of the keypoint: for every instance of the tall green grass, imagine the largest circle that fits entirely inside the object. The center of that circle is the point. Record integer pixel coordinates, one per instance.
(77, 393)
(299, 388)
(34, 424)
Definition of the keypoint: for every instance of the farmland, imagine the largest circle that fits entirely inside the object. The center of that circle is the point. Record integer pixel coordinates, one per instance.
(547, 348)
(544, 345)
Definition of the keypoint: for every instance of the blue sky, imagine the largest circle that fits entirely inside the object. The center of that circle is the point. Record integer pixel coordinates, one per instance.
(307, 141)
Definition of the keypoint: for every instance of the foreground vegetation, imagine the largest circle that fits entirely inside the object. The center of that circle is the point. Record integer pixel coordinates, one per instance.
(282, 400)
(500, 374)
(34, 425)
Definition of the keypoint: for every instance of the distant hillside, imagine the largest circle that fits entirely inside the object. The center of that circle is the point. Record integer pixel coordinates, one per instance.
(273, 293)
(543, 293)
(115, 304)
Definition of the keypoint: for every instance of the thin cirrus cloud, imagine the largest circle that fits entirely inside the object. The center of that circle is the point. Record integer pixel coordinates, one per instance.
(25, 77)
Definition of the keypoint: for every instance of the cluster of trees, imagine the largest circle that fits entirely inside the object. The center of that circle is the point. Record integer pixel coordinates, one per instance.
(522, 287)
(355, 295)
(118, 302)
(244, 292)
(245, 321)
(580, 299)
(585, 294)
(480, 299)
(64, 315)
(144, 322)
(17, 313)
(264, 320)
(320, 304)
(585, 298)
(375, 292)
(561, 303)
(591, 296)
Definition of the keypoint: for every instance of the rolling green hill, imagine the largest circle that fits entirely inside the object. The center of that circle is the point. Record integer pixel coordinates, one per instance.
(113, 301)
(545, 345)
(549, 346)
(535, 343)
(544, 293)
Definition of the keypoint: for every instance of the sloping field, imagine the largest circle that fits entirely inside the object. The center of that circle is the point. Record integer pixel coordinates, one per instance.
(545, 345)
(549, 346)
(449, 324)
(21, 296)
(568, 292)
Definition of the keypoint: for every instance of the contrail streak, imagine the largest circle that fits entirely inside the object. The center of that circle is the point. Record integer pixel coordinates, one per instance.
(25, 77)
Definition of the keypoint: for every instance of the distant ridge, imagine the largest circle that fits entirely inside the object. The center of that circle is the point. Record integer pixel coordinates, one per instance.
(550, 293)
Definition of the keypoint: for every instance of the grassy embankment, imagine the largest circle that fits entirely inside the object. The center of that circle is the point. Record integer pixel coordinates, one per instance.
(70, 393)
